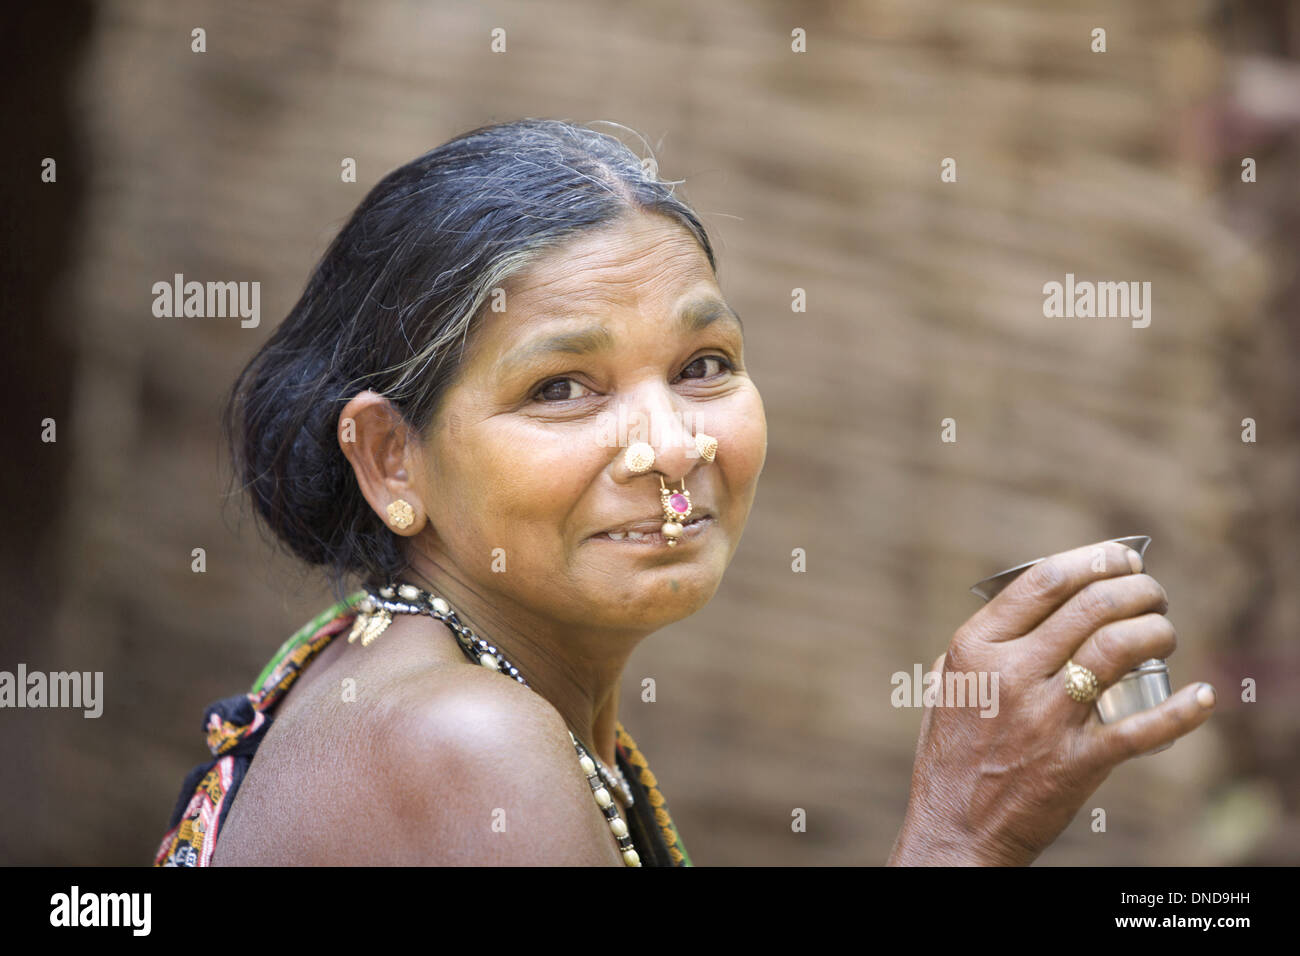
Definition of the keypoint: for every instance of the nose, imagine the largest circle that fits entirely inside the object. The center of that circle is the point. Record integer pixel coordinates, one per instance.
(667, 430)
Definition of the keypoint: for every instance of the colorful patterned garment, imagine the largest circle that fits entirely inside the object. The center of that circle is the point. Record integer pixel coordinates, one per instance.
(236, 725)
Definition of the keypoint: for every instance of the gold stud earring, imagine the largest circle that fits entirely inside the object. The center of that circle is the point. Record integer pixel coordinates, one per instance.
(400, 514)
(706, 445)
(639, 458)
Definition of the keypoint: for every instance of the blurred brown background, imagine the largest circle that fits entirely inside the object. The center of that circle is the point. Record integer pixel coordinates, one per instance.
(815, 170)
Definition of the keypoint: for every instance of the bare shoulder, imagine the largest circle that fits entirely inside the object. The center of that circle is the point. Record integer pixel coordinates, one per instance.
(427, 760)
(472, 768)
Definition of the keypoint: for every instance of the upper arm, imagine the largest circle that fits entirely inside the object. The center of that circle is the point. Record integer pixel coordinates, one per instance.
(482, 774)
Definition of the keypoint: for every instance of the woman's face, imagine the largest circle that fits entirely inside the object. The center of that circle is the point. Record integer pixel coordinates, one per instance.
(524, 468)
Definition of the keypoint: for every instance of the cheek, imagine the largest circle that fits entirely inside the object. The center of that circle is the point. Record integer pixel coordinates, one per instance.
(524, 474)
(746, 440)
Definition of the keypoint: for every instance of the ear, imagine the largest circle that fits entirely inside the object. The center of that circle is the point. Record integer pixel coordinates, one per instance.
(384, 453)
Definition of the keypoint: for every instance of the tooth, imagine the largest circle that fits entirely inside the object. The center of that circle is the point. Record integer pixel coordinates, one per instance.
(616, 535)
(637, 535)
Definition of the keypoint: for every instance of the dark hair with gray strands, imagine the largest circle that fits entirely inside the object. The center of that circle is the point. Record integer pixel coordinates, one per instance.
(391, 305)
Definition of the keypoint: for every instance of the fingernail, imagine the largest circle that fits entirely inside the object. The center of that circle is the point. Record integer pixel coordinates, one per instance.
(1205, 695)
(1134, 560)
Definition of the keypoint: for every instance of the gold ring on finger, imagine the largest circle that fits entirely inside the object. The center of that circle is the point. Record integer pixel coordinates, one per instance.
(1080, 683)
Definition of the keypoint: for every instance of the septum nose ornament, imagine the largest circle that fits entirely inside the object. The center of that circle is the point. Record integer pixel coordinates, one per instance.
(676, 504)
(677, 508)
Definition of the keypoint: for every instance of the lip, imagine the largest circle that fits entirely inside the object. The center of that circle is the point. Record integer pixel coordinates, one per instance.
(651, 525)
(696, 527)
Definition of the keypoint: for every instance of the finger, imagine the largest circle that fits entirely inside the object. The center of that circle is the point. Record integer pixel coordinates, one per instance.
(1098, 606)
(1112, 651)
(1148, 729)
(1042, 588)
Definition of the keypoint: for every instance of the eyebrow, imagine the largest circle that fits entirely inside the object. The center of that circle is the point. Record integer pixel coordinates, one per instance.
(695, 317)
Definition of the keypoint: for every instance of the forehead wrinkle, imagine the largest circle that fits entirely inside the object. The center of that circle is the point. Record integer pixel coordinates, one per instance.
(598, 272)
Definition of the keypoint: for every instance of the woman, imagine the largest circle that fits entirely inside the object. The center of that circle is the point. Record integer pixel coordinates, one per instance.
(512, 401)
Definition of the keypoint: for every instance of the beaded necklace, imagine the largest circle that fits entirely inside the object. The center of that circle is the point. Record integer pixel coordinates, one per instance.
(375, 612)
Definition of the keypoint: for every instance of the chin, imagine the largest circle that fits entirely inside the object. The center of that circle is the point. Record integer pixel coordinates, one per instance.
(657, 597)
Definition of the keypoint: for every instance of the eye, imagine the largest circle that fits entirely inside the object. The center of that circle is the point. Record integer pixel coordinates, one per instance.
(551, 391)
(722, 363)
(554, 391)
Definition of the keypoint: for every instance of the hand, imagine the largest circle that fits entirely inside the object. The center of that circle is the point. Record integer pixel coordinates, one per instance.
(998, 790)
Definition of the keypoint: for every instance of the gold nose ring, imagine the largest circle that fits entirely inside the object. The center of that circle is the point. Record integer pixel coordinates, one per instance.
(639, 458)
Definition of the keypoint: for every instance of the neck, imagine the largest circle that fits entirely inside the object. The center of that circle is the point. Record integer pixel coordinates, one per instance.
(577, 670)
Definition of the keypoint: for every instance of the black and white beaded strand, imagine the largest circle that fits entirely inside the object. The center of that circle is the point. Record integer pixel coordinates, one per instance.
(375, 613)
